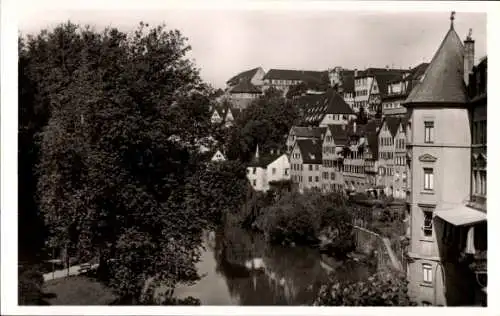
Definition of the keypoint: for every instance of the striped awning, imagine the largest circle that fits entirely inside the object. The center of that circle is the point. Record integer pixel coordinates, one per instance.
(461, 216)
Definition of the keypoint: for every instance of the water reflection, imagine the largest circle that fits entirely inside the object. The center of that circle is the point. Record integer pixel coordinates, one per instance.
(240, 268)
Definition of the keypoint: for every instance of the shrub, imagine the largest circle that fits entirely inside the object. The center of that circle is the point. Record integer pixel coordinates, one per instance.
(381, 289)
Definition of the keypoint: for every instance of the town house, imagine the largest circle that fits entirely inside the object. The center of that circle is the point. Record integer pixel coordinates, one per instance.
(305, 162)
(335, 140)
(303, 132)
(447, 248)
(386, 152)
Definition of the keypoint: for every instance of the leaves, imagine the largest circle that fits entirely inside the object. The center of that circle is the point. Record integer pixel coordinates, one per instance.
(123, 116)
(384, 288)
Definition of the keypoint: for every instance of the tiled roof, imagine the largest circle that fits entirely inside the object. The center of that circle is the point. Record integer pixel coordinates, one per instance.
(311, 150)
(443, 81)
(304, 75)
(317, 106)
(339, 134)
(383, 78)
(242, 76)
(412, 79)
(392, 124)
(264, 160)
(245, 86)
(308, 132)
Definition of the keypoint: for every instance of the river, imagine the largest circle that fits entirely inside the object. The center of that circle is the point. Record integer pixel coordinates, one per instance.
(240, 268)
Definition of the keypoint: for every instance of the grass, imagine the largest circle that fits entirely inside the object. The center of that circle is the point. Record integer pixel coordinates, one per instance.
(78, 290)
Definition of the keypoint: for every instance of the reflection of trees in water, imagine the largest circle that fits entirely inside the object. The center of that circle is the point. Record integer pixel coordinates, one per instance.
(291, 275)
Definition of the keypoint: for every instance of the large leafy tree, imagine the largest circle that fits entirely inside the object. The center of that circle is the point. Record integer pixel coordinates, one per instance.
(266, 122)
(126, 116)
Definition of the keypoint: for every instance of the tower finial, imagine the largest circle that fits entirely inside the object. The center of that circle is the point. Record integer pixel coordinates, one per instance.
(452, 18)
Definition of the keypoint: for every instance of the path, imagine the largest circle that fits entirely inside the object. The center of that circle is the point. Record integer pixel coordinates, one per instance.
(73, 270)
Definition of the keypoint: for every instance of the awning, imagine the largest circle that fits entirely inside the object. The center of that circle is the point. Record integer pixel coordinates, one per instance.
(461, 215)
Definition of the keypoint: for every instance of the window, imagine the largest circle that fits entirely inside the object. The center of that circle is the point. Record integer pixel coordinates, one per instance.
(427, 228)
(310, 167)
(332, 175)
(254, 170)
(317, 167)
(427, 272)
(254, 182)
(286, 171)
(317, 179)
(274, 171)
(429, 132)
(310, 179)
(428, 179)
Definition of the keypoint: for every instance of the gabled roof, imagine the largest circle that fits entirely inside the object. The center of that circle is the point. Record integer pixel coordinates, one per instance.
(304, 75)
(317, 106)
(392, 124)
(311, 150)
(339, 134)
(308, 132)
(245, 86)
(443, 80)
(264, 160)
(243, 76)
(371, 133)
(383, 79)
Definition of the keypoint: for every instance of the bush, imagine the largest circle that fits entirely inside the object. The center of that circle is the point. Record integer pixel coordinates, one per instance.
(300, 218)
(30, 287)
(381, 289)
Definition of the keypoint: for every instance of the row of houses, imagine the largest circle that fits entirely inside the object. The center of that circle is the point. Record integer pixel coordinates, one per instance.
(429, 148)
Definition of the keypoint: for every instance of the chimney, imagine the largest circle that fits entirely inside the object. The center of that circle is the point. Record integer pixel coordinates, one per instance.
(468, 57)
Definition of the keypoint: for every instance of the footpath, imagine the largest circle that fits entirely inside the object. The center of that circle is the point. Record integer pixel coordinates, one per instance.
(71, 271)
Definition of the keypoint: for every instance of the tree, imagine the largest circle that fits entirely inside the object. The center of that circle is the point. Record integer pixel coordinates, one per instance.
(216, 190)
(120, 145)
(381, 289)
(266, 122)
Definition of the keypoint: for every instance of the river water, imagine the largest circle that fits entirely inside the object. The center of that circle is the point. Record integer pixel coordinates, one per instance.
(240, 268)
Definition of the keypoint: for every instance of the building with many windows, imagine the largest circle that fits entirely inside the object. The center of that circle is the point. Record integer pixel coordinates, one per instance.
(447, 234)
(305, 164)
(336, 138)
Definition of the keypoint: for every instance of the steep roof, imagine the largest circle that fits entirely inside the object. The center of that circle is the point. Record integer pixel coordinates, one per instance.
(308, 132)
(289, 74)
(443, 80)
(243, 76)
(392, 124)
(371, 133)
(264, 160)
(383, 79)
(245, 86)
(339, 134)
(317, 106)
(310, 150)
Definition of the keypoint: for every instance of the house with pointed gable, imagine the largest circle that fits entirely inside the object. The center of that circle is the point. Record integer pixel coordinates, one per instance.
(303, 132)
(386, 152)
(326, 109)
(218, 156)
(448, 246)
(336, 138)
(305, 163)
(266, 168)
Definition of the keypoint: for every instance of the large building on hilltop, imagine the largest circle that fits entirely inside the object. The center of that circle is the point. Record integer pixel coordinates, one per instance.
(245, 87)
(447, 247)
(283, 79)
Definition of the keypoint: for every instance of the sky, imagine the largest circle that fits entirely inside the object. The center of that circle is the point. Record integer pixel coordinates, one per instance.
(226, 42)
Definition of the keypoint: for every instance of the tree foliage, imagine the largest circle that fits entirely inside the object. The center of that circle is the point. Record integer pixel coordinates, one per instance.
(384, 288)
(300, 218)
(266, 122)
(125, 116)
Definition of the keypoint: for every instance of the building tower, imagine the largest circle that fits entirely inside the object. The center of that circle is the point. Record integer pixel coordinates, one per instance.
(439, 153)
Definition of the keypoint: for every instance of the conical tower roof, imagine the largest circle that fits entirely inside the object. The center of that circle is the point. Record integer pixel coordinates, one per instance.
(443, 81)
